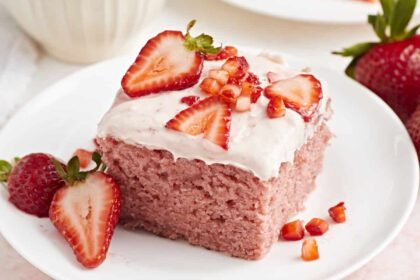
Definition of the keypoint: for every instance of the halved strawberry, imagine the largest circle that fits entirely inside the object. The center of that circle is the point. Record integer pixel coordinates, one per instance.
(236, 66)
(210, 86)
(276, 108)
(224, 53)
(85, 211)
(292, 231)
(190, 100)
(316, 226)
(219, 75)
(168, 61)
(338, 213)
(210, 116)
(229, 93)
(309, 250)
(84, 156)
(301, 93)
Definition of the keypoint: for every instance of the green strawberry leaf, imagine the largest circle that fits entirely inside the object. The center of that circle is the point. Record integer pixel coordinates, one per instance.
(355, 50)
(412, 31)
(388, 8)
(378, 23)
(202, 43)
(5, 169)
(401, 16)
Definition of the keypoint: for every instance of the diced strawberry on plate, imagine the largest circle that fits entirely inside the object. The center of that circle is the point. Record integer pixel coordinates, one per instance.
(292, 231)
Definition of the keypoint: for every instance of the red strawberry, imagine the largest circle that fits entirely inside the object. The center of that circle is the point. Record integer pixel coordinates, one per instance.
(210, 86)
(301, 93)
(229, 93)
(276, 108)
(413, 127)
(253, 79)
(316, 226)
(168, 61)
(337, 213)
(255, 94)
(309, 250)
(224, 53)
(31, 183)
(210, 116)
(84, 156)
(292, 231)
(236, 66)
(190, 100)
(391, 67)
(86, 211)
(219, 75)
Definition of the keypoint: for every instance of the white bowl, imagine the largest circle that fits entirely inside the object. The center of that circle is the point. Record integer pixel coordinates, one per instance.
(84, 31)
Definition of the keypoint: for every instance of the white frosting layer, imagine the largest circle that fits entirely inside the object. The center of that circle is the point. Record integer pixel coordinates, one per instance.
(257, 143)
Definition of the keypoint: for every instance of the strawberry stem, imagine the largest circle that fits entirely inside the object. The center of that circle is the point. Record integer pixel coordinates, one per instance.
(72, 174)
(202, 43)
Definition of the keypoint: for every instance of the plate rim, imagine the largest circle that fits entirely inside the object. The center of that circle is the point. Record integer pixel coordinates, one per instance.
(236, 4)
(345, 272)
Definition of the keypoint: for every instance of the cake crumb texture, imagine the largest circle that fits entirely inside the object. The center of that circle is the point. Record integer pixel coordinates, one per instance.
(220, 207)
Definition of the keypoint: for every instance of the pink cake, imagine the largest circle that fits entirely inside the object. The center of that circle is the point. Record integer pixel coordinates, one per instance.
(234, 198)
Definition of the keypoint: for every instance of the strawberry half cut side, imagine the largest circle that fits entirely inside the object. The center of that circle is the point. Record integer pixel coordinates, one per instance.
(86, 210)
(210, 117)
(301, 93)
(168, 61)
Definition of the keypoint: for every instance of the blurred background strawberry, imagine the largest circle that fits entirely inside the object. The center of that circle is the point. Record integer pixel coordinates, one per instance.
(391, 67)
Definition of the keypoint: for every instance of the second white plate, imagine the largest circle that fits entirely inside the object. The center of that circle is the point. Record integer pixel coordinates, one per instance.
(323, 11)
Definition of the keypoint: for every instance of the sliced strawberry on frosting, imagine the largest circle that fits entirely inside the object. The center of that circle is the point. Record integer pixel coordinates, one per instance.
(210, 117)
(301, 93)
(168, 61)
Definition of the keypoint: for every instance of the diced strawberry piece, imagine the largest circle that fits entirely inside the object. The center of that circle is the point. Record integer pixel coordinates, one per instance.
(276, 108)
(86, 214)
(255, 94)
(84, 156)
(236, 66)
(219, 75)
(292, 231)
(309, 250)
(253, 79)
(210, 86)
(243, 103)
(190, 100)
(229, 93)
(301, 93)
(230, 51)
(338, 213)
(316, 226)
(210, 116)
(224, 53)
(163, 64)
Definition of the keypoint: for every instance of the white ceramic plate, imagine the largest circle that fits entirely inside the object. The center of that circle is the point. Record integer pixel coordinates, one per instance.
(323, 11)
(371, 165)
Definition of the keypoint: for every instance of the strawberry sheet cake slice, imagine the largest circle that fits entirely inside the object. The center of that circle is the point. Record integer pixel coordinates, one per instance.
(212, 145)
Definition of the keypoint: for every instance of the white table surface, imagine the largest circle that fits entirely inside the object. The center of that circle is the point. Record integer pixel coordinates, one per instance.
(314, 42)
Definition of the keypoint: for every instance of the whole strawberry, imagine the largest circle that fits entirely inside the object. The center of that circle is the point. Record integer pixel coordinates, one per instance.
(391, 67)
(31, 183)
